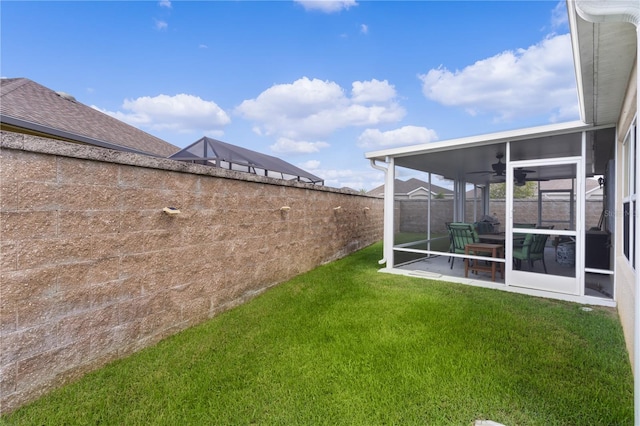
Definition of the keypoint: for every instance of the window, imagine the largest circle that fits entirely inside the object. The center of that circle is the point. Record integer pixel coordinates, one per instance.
(629, 194)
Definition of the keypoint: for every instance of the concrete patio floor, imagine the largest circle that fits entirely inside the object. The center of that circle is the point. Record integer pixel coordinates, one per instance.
(439, 267)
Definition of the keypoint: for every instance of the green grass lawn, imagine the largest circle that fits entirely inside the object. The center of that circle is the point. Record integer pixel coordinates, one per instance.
(344, 344)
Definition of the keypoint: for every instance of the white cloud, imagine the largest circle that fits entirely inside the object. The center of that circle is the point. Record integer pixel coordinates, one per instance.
(165, 3)
(364, 29)
(407, 135)
(312, 109)
(348, 178)
(284, 145)
(537, 80)
(570, 112)
(559, 16)
(363, 178)
(310, 165)
(180, 113)
(161, 25)
(215, 134)
(327, 6)
(203, 46)
(372, 91)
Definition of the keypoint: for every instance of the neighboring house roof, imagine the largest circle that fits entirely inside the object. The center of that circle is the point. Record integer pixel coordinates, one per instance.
(409, 187)
(592, 186)
(560, 184)
(221, 154)
(28, 107)
(593, 189)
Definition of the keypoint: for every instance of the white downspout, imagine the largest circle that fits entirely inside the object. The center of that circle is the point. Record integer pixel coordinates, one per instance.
(429, 215)
(389, 198)
(624, 11)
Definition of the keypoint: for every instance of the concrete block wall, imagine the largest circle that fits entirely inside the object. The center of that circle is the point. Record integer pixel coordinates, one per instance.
(92, 269)
(411, 215)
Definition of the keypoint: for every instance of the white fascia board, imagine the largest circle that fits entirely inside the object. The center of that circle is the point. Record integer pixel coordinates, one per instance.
(577, 63)
(479, 140)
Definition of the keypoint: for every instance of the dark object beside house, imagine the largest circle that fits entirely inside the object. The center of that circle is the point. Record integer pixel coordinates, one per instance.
(597, 249)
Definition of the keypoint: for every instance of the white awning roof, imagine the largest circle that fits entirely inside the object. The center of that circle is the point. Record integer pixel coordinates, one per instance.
(457, 158)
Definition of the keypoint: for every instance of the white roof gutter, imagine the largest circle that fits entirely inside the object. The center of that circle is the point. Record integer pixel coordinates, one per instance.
(609, 11)
(573, 26)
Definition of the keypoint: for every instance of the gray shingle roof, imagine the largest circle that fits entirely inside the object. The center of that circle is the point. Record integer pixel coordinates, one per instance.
(405, 187)
(29, 105)
(556, 184)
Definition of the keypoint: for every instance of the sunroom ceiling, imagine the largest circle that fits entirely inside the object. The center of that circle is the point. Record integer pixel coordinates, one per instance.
(460, 158)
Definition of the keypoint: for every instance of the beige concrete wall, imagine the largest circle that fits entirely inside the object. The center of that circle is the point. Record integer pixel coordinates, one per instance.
(412, 214)
(92, 269)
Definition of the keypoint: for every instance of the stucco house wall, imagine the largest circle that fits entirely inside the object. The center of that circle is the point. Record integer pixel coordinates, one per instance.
(624, 273)
(93, 269)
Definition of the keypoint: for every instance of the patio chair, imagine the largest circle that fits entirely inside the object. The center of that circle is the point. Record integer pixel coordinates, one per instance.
(532, 249)
(518, 238)
(446, 224)
(461, 234)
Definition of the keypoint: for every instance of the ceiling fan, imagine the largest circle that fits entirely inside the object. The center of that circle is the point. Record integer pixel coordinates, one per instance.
(497, 169)
(498, 172)
(520, 177)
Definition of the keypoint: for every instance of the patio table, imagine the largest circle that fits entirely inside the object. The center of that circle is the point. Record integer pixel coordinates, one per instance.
(495, 250)
(499, 238)
(492, 238)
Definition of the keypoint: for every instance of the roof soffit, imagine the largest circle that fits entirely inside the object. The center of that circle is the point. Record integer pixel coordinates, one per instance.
(604, 42)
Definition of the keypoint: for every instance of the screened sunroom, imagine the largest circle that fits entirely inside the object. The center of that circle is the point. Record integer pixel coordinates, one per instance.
(215, 153)
(521, 200)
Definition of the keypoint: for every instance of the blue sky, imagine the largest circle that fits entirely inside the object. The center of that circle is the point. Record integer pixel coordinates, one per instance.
(315, 83)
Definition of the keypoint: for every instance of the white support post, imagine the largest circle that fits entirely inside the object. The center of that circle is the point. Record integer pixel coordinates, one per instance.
(508, 216)
(429, 215)
(579, 210)
(389, 207)
(459, 209)
(486, 204)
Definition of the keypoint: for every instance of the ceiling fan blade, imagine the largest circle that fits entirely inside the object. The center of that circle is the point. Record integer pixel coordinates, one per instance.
(521, 170)
(497, 169)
